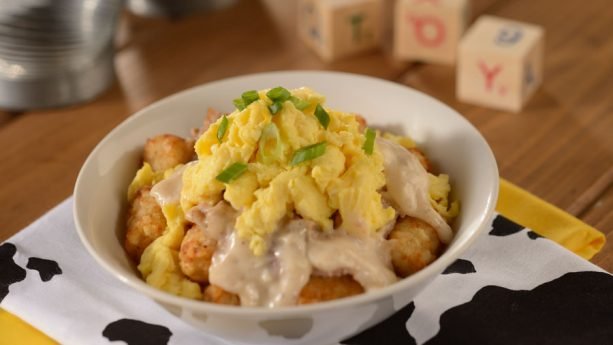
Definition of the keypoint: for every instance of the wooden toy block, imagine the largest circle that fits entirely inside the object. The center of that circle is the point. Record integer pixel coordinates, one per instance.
(340, 28)
(500, 63)
(429, 30)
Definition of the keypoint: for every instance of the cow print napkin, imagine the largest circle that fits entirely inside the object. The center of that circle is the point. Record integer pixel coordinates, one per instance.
(511, 287)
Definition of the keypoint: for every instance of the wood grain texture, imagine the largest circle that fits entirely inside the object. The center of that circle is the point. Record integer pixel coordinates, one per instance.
(560, 148)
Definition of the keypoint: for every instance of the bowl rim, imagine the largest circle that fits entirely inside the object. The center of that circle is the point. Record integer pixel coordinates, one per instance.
(447, 257)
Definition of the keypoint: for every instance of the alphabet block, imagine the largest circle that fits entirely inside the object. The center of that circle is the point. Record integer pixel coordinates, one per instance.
(500, 63)
(336, 29)
(429, 30)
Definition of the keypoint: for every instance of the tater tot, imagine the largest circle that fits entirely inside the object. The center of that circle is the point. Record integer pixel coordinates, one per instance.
(425, 162)
(166, 151)
(212, 115)
(414, 244)
(146, 222)
(361, 122)
(217, 295)
(195, 255)
(319, 289)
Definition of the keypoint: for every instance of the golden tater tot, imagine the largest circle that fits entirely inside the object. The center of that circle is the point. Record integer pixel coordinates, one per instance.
(166, 151)
(425, 162)
(414, 244)
(146, 222)
(319, 289)
(217, 295)
(361, 122)
(212, 115)
(195, 255)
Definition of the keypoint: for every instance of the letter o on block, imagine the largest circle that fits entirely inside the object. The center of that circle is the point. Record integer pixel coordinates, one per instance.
(429, 30)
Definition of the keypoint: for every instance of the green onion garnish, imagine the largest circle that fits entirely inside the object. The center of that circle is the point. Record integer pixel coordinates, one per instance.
(308, 153)
(223, 126)
(270, 146)
(247, 98)
(322, 116)
(250, 97)
(369, 143)
(300, 104)
(275, 107)
(232, 172)
(278, 94)
(239, 103)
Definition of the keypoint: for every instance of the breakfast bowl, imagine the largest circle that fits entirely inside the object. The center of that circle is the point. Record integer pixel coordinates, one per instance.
(449, 140)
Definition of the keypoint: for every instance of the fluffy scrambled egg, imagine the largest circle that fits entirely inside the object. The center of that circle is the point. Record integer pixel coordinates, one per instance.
(343, 179)
(439, 197)
(145, 176)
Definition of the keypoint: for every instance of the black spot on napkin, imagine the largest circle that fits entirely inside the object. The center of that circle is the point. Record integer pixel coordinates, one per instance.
(10, 272)
(533, 235)
(460, 266)
(135, 332)
(391, 331)
(46, 268)
(504, 227)
(576, 308)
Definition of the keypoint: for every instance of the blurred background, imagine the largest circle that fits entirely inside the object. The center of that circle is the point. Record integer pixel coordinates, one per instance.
(103, 60)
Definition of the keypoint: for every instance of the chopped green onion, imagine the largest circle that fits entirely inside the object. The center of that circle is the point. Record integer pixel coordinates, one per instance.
(239, 103)
(232, 172)
(322, 116)
(278, 94)
(308, 153)
(250, 97)
(223, 126)
(369, 143)
(300, 104)
(275, 107)
(270, 146)
(247, 98)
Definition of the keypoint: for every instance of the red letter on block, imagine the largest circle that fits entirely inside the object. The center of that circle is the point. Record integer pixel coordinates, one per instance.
(489, 74)
(429, 30)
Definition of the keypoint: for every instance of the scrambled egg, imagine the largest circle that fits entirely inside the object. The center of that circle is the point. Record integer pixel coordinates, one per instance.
(145, 176)
(439, 197)
(405, 142)
(343, 179)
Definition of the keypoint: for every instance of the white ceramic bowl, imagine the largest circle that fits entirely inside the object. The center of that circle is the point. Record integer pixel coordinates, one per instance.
(449, 140)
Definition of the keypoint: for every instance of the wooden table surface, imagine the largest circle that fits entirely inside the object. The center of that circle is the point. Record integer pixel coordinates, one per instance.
(560, 147)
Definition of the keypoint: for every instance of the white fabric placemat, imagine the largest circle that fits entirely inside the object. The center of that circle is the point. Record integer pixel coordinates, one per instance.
(511, 287)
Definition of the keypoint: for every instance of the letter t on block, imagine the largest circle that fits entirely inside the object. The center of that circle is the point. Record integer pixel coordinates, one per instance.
(429, 30)
(335, 29)
(500, 63)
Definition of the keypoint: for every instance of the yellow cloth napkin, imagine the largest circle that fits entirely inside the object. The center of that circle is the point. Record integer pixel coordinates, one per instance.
(514, 203)
(548, 221)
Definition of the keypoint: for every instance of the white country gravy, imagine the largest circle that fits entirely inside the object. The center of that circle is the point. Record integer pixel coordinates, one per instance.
(366, 258)
(168, 191)
(270, 280)
(297, 249)
(407, 185)
(215, 221)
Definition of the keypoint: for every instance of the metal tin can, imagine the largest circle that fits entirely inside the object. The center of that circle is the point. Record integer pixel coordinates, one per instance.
(55, 52)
